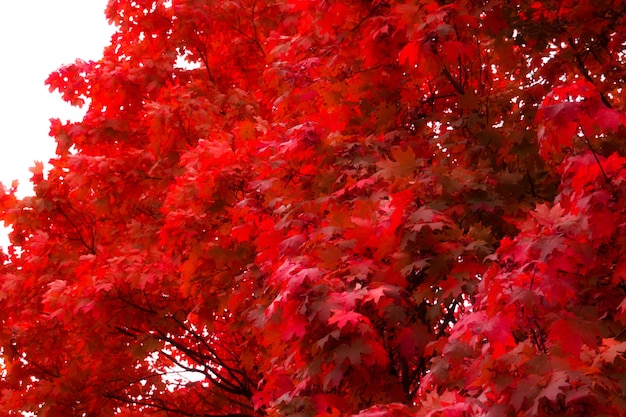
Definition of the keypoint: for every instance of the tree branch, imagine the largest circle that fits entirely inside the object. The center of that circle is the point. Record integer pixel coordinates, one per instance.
(457, 87)
(585, 73)
(595, 156)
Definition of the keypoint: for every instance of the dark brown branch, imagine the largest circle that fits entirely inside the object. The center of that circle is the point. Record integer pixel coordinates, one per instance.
(125, 332)
(585, 72)
(237, 387)
(135, 305)
(432, 98)
(362, 71)
(254, 39)
(208, 372)
(54, 374)
(457, 87)
(77, 230)
(170, 409)
(234, 373)
(448, 318)
(203, 53)
(595, 156)
(370, 14)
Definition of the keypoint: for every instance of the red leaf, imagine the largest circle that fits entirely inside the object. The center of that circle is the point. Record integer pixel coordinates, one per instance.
(410, 53)
(566, 337)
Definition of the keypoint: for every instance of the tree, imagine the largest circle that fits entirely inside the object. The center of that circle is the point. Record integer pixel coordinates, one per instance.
(328, 208)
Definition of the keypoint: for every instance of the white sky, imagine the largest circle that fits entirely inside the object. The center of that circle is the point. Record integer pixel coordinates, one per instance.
(36, 37)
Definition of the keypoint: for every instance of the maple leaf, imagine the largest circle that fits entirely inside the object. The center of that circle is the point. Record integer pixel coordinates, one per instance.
(327, 208)
(295, 327)
(352, 353)
(611, 349)
(555, 386)
(375, 294)
(409, 54)
(344, 318)
(549, 246)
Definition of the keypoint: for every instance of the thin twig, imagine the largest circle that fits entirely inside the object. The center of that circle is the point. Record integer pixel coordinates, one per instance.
(595, 155)
(581, 66)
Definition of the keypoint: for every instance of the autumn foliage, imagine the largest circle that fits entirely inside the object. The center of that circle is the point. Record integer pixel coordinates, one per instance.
(328, 208)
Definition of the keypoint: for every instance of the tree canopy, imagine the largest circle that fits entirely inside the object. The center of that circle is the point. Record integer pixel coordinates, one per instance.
(328, 208)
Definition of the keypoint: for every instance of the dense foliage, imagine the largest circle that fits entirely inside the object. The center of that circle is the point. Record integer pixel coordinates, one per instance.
(328, 208)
